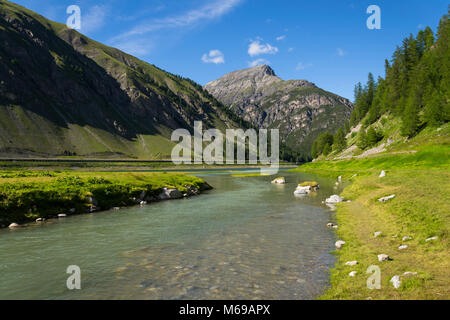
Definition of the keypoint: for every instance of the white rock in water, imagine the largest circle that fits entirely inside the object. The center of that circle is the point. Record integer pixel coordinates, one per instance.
(62, 215)
(339, 244)
(384, 199)
(353, 274)
(383, 257)
(335, 227)
(13, 226)
(406, 238)
(377, 234)
(382, 174)
(432, 239)
(396, 282)
(281, 180)
(351, 263)
(334, 199)
(303, 190)
(330, 225)
(403, 247)
(170, 194)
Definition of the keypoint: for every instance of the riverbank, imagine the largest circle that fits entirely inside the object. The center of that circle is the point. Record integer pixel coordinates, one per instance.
(414, 225)
(27, 196)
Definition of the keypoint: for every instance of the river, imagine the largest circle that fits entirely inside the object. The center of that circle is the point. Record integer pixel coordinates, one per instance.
(246, 239)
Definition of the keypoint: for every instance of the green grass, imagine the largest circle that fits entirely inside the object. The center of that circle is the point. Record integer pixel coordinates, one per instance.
(26, 196)
(418, 174)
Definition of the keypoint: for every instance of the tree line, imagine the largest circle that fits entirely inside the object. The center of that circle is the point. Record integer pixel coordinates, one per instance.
(415, 89)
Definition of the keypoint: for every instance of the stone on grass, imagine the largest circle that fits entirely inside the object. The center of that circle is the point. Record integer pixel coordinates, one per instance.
(432, 239)
(409, 273)
(406, 238)
(384, 199)
(339, 244)
(383, 257)
(334, 199)
(382, 174)
(353, 274)
(403, 247)
(377, 234)
(351, 263)
(396, 282)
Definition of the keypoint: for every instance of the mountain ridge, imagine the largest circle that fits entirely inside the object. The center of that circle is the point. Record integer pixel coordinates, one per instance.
(299, 108)
(64, 94)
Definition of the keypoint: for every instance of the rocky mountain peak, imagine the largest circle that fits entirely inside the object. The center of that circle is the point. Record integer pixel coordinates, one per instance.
(263, 69)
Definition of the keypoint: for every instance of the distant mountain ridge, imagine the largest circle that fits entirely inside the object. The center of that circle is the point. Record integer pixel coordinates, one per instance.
(298, 108)
(62, 93)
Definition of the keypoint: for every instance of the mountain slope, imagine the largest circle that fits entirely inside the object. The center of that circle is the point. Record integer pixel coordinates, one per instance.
(63, 93)
(298, 108)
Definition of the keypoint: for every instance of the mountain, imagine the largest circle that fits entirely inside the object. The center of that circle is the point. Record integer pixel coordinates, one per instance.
(62, 93)
(298, 108)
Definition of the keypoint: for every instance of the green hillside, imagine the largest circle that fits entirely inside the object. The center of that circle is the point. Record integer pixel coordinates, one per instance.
(399, 126)
(62, 93)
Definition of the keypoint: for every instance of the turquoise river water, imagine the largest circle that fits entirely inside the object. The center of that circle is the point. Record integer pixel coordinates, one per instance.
(246, 239)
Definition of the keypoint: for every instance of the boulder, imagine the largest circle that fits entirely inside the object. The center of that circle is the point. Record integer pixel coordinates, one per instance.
(396, 282)
(169, 194)
(334, 199)
(339, 244)
(40, 219)
(13, 226)
(280, 180)
(384, 199)
(62, 215)
(383, 257)
(303, 190)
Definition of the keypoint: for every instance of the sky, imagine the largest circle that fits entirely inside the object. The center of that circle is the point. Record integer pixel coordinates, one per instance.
(323, 41)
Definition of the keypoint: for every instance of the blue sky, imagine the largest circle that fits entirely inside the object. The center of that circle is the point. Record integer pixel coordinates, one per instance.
(323, 41)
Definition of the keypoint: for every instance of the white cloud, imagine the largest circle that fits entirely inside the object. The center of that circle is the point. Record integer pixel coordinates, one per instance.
(281, 38)
(94, 19)
(301, 66)
(290, 49)
(210, 11)
(258, 62)
(340, 52)
(214, 56)
(256, 48)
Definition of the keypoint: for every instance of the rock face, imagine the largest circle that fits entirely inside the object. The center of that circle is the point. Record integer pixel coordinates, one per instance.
(298, 108)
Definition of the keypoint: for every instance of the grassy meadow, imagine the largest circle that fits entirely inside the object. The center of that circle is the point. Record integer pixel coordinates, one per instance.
(418, 174)
(28, 195)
